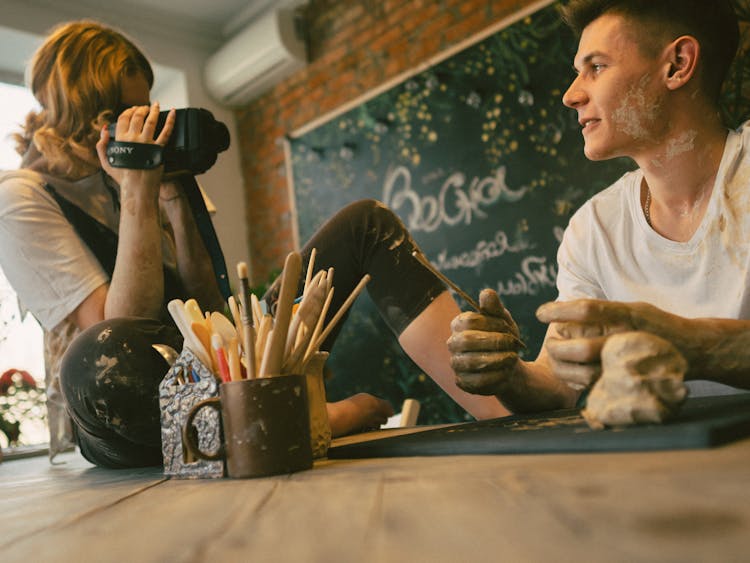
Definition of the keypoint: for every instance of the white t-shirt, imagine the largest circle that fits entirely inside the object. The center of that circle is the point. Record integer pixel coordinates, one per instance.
(49, 266)
(51, 269)
(610, 252)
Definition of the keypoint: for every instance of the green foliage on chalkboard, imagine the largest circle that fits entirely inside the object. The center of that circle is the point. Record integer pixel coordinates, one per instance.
(735, 100)
(484, 165)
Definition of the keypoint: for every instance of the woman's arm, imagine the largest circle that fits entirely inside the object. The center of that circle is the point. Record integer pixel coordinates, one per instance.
(193, 261)
(137, 284)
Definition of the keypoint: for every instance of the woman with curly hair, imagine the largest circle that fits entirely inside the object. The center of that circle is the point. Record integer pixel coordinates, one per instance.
(84, 243)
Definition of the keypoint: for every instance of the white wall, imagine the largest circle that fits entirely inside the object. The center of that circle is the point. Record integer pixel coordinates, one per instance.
(177, 49)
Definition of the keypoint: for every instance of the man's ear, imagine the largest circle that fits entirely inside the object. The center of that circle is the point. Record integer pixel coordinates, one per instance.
(682, 60)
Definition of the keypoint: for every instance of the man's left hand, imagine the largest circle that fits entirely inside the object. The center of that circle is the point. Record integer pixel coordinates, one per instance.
(581, 327)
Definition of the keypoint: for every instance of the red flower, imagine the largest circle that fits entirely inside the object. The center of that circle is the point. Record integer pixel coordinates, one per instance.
(24, 380)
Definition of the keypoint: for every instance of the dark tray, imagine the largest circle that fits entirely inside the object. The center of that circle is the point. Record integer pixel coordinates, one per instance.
(703, 422)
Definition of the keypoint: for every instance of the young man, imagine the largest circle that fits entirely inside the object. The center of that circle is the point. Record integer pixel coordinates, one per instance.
(666, 249)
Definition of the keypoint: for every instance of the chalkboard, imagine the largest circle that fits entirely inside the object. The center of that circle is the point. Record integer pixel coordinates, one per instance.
(484, 164)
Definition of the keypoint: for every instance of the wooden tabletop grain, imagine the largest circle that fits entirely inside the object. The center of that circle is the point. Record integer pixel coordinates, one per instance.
(659, 506)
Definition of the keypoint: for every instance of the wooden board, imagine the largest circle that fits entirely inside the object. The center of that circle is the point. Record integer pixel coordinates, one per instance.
(702, 423)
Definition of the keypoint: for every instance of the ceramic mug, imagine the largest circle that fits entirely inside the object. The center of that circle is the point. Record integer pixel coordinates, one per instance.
(265, 423)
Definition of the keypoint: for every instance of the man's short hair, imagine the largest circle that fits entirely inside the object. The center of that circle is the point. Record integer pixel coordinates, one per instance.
(713, 23)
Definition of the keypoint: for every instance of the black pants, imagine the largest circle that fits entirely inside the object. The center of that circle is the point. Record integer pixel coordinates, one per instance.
(110, 374)
(110, 378)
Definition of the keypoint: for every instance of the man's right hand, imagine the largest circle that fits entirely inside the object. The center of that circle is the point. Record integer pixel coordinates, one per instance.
(484, 347)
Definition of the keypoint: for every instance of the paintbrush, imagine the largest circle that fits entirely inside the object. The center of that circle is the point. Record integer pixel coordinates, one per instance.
(426, 263)
(248, 331)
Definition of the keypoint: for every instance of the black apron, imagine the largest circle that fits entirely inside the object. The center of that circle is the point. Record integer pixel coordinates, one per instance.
(102, 242)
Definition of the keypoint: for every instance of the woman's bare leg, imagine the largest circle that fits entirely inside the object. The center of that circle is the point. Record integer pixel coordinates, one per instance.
(424, 340)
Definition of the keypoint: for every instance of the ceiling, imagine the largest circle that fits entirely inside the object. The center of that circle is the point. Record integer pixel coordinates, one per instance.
(215, 17)
(206, 24)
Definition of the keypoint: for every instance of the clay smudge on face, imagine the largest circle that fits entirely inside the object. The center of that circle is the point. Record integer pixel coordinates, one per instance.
(656, 163)
(635, 113)
(682, 144)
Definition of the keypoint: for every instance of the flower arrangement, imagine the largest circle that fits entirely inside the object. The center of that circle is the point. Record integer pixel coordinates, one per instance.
(20, 400)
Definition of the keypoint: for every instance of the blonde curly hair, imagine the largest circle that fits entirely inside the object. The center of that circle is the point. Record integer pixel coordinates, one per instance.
(76, 77)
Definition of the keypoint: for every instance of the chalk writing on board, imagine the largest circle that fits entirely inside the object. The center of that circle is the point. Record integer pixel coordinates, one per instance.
(483, 251)
(537, 273)
(456, 201)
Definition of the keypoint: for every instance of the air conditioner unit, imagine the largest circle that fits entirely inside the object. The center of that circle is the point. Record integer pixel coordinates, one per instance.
(268, 50)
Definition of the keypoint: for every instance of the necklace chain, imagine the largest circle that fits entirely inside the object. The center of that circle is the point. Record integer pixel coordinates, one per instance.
(647, 208)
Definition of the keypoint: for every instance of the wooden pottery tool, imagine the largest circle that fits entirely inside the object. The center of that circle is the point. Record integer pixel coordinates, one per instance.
(176, 309)
(289, 281)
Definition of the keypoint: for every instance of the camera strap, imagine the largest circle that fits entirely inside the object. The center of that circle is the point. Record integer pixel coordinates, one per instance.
(141, 156)
(207, 232)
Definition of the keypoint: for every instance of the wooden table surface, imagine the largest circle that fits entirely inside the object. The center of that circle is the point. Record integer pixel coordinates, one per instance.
(662, 506)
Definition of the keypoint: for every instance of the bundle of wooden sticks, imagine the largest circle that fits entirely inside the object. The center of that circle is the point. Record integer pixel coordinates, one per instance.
(255, 343)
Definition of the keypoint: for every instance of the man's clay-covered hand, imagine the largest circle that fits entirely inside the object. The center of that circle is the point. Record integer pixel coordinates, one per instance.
(581, 327)
(484, 346)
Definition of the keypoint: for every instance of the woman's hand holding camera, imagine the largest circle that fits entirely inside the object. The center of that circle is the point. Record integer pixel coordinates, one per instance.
(136, 125)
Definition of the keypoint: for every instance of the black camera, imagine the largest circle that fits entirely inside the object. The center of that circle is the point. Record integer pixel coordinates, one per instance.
(196, 141)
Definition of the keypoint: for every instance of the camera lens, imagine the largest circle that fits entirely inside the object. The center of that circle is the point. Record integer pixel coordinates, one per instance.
(220, 136)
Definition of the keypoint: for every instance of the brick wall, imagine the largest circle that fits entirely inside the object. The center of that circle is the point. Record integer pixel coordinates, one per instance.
(354, 46)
